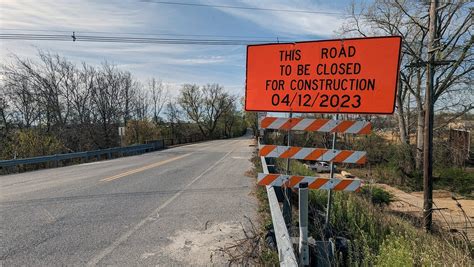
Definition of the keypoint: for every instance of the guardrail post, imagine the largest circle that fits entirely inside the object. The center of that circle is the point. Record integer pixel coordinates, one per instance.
(303, 219)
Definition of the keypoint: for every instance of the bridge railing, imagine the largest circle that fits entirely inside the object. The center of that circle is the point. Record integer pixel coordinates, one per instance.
(109, 153)
(286, 253)
(86, 156)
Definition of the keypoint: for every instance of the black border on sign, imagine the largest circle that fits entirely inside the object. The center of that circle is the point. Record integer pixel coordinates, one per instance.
(328, 40)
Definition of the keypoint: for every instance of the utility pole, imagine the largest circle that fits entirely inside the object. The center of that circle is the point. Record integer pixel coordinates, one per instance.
(429, 114)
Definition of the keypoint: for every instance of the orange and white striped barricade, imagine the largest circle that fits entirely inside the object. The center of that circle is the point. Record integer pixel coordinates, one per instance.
(316, 125)
(293, 181)
(318, 154)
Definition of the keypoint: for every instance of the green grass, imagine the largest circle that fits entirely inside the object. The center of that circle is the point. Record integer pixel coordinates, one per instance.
(455, 180)
(377, 236)
(268, 257)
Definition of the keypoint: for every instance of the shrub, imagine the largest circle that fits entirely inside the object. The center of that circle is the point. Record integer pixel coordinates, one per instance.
(378, 196)
(379, 238)
(31, 143)
(137, 132)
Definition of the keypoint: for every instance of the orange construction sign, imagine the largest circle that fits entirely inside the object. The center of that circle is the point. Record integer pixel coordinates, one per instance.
(337, 76)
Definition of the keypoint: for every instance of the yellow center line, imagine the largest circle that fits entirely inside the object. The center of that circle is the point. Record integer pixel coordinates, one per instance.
(120, 175)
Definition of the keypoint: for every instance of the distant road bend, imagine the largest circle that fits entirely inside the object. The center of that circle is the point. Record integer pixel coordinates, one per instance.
(176, 206)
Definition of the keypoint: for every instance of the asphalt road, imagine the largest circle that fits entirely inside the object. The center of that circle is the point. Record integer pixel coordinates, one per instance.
(171, 207)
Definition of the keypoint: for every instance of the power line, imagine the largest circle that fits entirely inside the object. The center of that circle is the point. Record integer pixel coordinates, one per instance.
(146, 34)
(134, 40)
(245, 8)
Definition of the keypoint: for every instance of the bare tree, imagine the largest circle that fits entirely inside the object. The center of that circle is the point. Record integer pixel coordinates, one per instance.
(141, 102)
(216, 103)
(127, 93)
(251, 118)
(205, 105)
(159, 96)
(106, 97)
(81, 94)
(81, 106)
(4, 113)
(229, 119)
(50, 78)
(454, 54)
(173, 115)
(22, 97)
(191, 100)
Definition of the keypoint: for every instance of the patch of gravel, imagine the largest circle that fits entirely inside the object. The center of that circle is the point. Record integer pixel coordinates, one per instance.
(201, 247)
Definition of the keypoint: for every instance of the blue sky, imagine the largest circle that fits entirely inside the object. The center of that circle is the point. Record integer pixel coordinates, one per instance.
(173, 64)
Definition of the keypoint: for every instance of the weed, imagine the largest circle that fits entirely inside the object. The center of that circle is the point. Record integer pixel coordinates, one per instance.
(377, 237)
(266, 255)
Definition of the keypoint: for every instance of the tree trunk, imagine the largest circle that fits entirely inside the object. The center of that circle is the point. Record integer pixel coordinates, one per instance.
(419, 138)
(401, 121)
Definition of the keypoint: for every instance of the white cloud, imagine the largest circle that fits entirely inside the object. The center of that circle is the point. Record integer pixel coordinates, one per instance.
(288, 23)
(174, 64)
(75, 14)
(202, 60)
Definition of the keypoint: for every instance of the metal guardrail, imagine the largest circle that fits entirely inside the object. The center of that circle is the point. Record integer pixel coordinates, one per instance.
(286, 253)
(109, 152)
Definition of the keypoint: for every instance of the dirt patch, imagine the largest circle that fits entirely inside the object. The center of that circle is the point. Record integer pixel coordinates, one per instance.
(450, 214)
(201, 247)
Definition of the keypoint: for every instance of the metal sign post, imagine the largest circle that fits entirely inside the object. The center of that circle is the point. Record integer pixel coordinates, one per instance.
(331, 176)
(287, 191)
(303, 219)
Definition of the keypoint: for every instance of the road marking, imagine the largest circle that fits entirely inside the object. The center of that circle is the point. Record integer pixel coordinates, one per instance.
(94, 163)
(49, 215)
(197, 145)
(120, 175)
(213, 143)
(96, 259)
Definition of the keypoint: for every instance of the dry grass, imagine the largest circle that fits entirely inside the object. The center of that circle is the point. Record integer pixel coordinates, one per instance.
(380, 237)
(451, 215)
